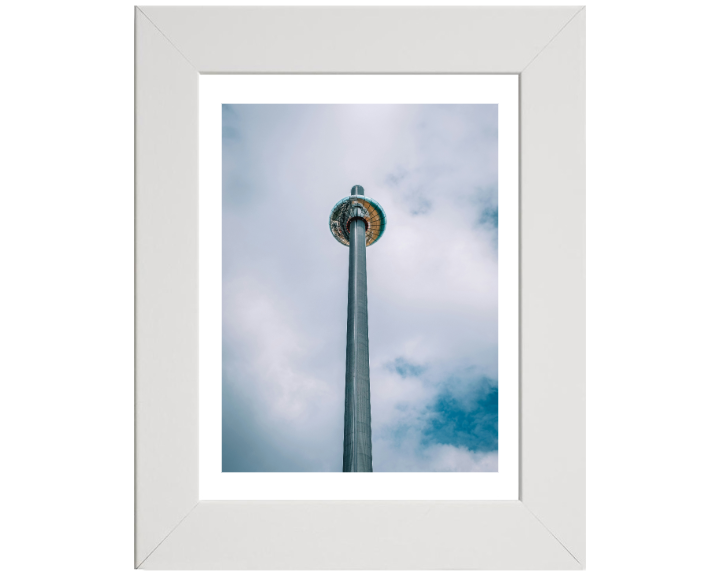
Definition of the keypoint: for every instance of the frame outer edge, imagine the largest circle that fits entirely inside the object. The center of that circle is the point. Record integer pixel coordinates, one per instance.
(166, 287)
(553, 287)
(167, 508)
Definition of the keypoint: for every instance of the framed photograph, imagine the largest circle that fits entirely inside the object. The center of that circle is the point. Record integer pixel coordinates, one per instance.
(315, 214)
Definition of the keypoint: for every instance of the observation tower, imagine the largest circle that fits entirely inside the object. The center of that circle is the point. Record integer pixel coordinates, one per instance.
(357, 221)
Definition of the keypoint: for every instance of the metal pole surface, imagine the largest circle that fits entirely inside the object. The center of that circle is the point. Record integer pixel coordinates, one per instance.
(357, 448)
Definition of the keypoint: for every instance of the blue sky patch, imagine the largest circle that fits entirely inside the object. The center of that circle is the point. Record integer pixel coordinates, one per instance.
(405, 368)
(489, 217)
(471, 423)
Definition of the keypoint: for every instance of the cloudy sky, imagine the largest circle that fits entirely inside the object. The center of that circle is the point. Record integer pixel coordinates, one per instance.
(432, 285)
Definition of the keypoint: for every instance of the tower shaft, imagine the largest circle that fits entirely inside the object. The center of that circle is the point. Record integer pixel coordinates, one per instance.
(357, 447)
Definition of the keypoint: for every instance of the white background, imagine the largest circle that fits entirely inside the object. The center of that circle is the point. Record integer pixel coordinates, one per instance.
(66, 292)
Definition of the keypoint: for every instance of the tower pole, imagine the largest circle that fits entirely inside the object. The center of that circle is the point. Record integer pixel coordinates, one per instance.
(357, 447)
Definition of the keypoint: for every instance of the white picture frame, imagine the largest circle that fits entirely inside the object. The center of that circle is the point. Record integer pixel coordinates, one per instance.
(545, 528)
